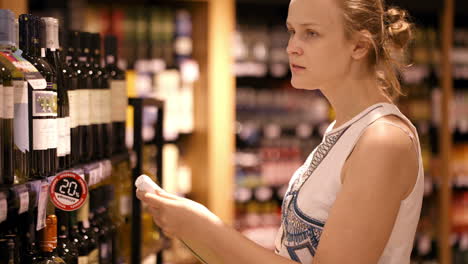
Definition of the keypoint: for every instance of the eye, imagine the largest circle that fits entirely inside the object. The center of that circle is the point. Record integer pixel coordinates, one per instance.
(291, 31)
(312, 33)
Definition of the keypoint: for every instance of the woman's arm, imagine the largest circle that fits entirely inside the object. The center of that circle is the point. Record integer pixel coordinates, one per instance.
(204, 233)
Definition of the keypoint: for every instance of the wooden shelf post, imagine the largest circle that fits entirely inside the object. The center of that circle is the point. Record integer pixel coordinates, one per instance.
(445, 227)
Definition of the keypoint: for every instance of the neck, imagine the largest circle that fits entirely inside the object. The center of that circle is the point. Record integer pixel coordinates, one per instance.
(352, 94)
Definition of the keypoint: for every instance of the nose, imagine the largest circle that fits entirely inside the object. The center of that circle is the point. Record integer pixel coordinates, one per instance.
(293, 47)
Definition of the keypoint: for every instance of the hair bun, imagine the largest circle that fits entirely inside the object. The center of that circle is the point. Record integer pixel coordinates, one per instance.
(397, 27)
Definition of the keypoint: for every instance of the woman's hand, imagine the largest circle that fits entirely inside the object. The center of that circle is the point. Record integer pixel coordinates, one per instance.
(177, 216)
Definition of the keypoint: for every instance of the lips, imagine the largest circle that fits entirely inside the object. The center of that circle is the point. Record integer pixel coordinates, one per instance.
(296, 67)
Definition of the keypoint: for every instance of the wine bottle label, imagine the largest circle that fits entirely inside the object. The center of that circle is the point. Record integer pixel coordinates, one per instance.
(93, 257)
(8, 102)
(82, 105)
(52, 133)
(96, 107)
(32, 76)
(119, 100)
(106, 106)
(125, 205)
(44, 103)
(64, 144)
(20, 123)
(72, 102)
(41, 129)
(83, 260)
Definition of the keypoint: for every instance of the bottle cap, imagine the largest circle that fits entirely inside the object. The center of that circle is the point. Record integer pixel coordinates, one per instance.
(6, 27)
(51, 33)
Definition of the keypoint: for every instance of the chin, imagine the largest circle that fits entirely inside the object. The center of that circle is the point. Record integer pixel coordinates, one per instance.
(301, 84)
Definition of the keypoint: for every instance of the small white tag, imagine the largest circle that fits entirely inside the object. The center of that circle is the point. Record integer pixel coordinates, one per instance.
(24, 202)
(3, 208)
(42, 206)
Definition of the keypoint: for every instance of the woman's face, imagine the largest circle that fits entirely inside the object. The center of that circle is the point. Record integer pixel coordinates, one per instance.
(318, 51)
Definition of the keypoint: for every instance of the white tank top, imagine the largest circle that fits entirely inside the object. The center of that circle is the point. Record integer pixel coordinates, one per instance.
(314, 186)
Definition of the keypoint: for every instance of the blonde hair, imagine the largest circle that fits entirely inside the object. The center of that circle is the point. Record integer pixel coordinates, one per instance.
(390, 34)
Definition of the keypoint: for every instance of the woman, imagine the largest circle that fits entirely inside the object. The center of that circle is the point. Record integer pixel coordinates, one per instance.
(360, 191)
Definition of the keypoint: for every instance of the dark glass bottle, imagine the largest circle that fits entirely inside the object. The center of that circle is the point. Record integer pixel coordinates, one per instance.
(48, 243)
(96, 93)
(79, 225)
(7, 126)
(39, 26)
(118, 88)
(19, 138)
(71, 83)
(7, 251)
(66, 249)
(78, 65)
(104, 104)
(44, 101)
(63, 108)
(29, 253)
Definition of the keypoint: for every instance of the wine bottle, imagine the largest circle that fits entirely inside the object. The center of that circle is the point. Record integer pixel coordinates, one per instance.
(86, 99)
(80, 238)
(48, 243)
(71, 83)
(66, 249)
(12, 78)
(118, 94)
(1, 123)
(77, 63)
(63, 108)
(97, 101)
(44, 101)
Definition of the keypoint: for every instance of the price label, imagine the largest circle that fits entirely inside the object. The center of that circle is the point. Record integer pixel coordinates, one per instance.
(68, 191)
(42, 206)
(3, 207)
(24, 202)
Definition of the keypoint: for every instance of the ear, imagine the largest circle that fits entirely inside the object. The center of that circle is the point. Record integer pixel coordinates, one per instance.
(361, 44)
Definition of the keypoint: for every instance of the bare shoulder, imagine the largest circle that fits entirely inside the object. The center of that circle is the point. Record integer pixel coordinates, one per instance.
(387, 152)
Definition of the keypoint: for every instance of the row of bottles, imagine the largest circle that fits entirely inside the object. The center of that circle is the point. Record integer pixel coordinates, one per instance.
(57, 111)
(41, 233)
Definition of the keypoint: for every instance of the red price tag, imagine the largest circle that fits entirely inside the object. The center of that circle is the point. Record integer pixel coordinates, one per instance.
(68, 191)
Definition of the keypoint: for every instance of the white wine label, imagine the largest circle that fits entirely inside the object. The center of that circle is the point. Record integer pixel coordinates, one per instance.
(95, 107)
(3, 208)
(20, 122)
(83, 107)
(63, 146)
(41, 128)
(44, 103)
(8, 102)
(125, 205)
(68, 191)
(106, 106)
(72, 99)
(42, 206)
(53, 133)
(24, 202)
(93, 257)
(83, 260)
(119, 100)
